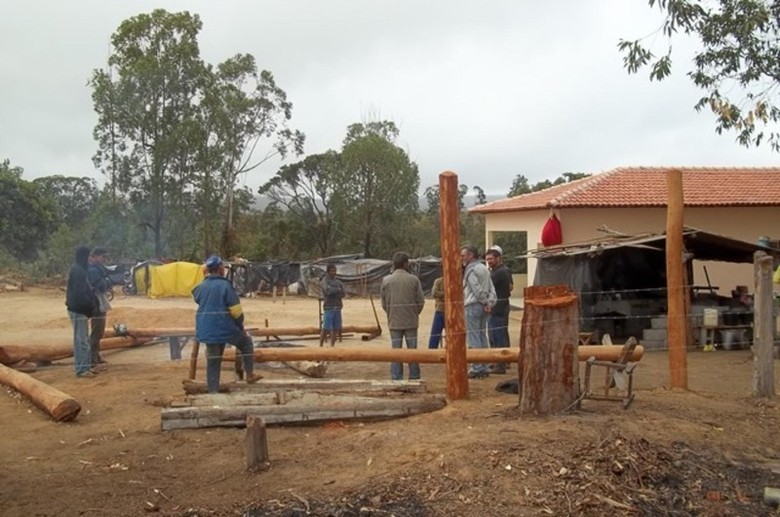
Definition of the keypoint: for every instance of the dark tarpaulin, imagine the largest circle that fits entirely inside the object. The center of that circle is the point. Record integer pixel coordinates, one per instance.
(253, 277)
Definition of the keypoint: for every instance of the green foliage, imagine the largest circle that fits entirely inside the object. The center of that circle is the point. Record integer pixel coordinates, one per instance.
(308, 191)
(379, 187)
(520, 184)
(27, 214)
(736, 66)
(174, 132)
(75, 197)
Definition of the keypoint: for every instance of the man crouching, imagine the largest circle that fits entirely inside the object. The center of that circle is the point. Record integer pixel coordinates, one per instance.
(220, 321)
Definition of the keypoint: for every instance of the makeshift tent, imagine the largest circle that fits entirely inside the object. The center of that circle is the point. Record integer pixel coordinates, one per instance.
(175, 279)
(142, 275)
(254, 277)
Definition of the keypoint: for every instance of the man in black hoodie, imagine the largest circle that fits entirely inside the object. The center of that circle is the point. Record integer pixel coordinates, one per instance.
(82, 304)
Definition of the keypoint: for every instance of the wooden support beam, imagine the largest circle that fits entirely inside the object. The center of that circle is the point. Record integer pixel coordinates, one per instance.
(48, 352)
(274, 386)
(449, 221)
(60, 406)
(420, 355)
(763, 327)
(328, 407)
(675, 290)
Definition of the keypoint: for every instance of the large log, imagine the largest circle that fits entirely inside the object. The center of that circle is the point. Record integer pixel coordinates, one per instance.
(492, 355)
(549, 369)
(45, 353)
(328, 407)
(60, 406)
(254, 331)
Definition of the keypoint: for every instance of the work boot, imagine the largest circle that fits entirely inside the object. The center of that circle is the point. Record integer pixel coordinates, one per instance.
(253, 378)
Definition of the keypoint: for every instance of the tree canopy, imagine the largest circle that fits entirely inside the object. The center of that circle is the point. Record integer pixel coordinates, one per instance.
(737, 65)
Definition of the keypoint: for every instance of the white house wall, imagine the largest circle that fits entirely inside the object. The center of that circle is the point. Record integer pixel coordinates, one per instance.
(579, 224)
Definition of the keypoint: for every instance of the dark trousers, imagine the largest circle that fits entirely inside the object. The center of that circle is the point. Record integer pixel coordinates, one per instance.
(244, 345)
(437, 327)
(97, 328)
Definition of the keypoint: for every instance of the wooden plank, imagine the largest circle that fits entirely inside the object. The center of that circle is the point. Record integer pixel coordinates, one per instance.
(328, 408)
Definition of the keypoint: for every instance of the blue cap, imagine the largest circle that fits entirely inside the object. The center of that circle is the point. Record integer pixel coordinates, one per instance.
(213, 262)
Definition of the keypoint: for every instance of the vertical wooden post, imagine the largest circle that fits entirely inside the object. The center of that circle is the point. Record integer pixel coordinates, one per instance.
(256, 444)
(676, 320)
(763, 323)
(449, 221)
(194, 358)
(549, 371)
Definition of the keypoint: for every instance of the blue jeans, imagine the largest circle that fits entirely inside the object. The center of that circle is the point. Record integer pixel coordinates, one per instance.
(82, 360)
(331, 320)
(436, 329)
(244, 346)
(396, 339)
(476, 332)
(498, 330)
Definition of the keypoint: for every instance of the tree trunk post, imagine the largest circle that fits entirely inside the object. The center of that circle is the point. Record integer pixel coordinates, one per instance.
(549, 363)
(194, 358)
(256, 445)
(763, 323)
(675, 291)
(449, 219)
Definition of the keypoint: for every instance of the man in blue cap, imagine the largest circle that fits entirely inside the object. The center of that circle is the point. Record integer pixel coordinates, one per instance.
(220, 321)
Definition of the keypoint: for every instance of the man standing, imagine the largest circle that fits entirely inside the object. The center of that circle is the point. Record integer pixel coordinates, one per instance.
(98, 278)
(220, 321)
(498, 321)
(82, 304)
(333, 295)
(479, 296)
(403, 300)
(437, 326)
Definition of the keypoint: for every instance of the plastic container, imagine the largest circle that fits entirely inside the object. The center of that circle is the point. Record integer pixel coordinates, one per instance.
(710, 319)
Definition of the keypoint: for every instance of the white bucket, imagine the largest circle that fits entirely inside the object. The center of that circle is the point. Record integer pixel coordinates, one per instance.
(710, 318)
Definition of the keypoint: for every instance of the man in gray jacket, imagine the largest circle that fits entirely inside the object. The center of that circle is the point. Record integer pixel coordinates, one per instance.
(479, 297)
(402, 300)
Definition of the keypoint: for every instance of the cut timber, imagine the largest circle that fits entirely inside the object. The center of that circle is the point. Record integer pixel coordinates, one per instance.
(46, 353)
(240, 399)
(256, 445)
(315, 369)
(324, 385)
(329, 407)
(60, 406)
(549, 367)
(493, 355)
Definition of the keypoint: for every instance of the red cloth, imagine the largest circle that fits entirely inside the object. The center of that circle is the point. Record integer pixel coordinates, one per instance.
(552, 233)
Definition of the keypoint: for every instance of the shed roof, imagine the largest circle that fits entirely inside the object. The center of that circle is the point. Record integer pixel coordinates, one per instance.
(646, 187)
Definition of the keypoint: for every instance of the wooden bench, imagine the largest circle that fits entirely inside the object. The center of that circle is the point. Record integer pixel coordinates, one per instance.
(621, 367)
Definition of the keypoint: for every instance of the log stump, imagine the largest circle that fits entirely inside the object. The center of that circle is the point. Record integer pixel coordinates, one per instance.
(256, 445)
(549, 367)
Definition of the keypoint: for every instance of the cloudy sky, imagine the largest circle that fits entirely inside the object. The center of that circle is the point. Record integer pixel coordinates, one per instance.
(486, 89)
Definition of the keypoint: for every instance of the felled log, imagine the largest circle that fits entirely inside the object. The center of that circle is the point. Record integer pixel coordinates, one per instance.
(60, 406)
(46, 353)
(254, 331)
(328, 407)
(315, 369)
(324, 386)
(549, 369)
(420, 355)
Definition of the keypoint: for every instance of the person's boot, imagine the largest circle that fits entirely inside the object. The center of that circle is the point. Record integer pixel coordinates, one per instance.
(253, 378)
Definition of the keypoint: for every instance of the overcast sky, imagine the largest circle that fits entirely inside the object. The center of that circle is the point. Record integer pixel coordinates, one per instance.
(486, 89)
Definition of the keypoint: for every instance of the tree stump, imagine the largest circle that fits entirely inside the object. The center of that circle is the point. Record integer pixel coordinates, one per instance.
(549, 364)
(256, 445)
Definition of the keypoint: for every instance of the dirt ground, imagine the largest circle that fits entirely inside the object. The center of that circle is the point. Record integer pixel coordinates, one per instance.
(707, 451)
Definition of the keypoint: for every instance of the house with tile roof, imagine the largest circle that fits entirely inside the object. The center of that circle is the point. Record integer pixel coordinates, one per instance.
(741, 203)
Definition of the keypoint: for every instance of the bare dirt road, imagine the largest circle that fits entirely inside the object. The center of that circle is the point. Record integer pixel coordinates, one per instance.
(708, 451)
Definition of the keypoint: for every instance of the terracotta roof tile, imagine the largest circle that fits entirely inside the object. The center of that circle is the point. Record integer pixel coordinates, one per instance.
(646, 186)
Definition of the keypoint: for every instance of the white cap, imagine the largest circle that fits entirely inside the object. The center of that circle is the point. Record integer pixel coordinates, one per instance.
(497, 248)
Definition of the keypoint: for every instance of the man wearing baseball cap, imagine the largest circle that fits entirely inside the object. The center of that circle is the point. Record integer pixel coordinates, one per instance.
(219, 320)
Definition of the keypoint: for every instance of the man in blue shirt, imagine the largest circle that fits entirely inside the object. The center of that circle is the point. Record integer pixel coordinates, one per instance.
(220, 321)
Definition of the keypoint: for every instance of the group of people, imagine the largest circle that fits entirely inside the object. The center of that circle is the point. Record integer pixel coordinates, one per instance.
(219, 319)
(486, 290)
(87, 302)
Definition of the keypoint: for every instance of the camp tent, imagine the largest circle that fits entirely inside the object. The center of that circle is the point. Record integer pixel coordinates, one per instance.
(175, 279)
